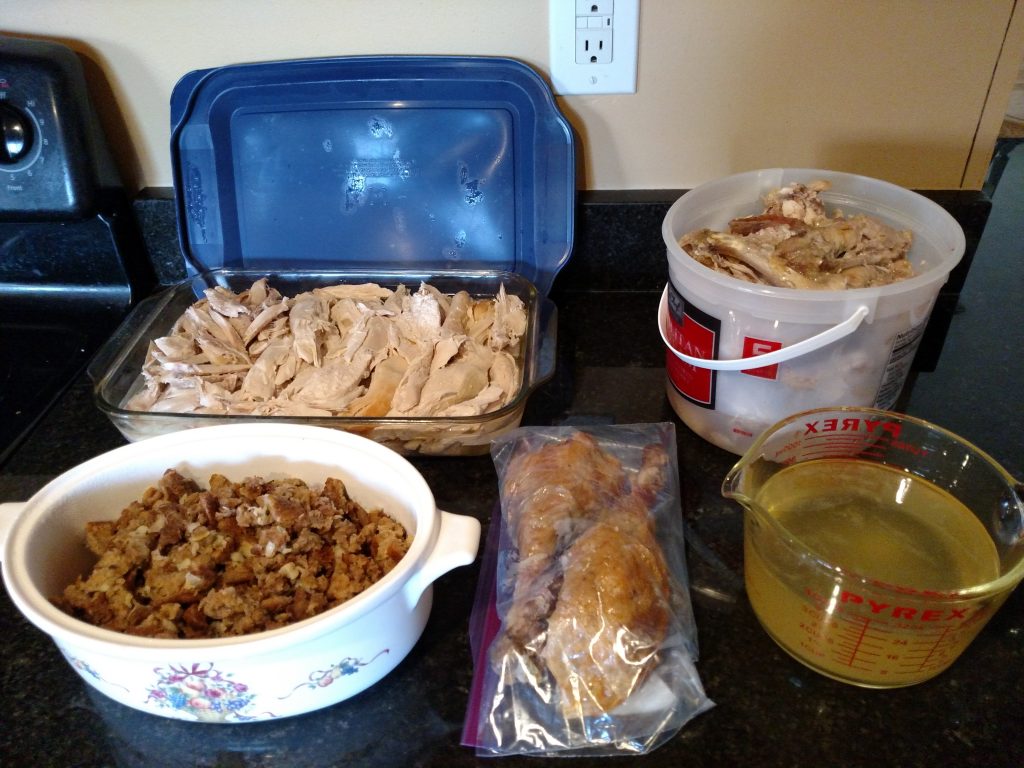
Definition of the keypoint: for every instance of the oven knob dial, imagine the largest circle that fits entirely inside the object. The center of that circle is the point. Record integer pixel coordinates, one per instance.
(15, 135)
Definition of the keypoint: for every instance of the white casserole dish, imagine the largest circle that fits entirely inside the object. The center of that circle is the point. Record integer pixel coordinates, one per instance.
(278, 673)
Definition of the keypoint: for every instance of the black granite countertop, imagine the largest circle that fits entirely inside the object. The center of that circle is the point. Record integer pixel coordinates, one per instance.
(769, 710)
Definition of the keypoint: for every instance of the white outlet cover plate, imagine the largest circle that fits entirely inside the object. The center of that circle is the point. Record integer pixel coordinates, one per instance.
(617, 76)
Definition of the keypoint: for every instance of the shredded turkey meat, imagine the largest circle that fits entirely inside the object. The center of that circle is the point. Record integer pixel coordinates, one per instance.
(795, 243)
(342, 350)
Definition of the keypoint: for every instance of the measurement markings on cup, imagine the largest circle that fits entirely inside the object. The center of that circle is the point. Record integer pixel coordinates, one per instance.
(864, 644)
(826, 446)
(928, 652)
(856, 643)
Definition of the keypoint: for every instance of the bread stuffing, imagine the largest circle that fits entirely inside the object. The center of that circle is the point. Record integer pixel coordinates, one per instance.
(233, 559)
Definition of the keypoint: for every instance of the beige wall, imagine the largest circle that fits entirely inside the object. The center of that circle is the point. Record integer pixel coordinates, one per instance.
(909, 90)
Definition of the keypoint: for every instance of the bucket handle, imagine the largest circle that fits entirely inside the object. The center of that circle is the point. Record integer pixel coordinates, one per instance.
(826, 337)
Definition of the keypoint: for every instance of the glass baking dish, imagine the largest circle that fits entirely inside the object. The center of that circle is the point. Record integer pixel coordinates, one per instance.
(117, 368)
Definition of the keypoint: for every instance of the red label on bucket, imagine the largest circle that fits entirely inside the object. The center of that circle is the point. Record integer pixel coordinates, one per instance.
(753, 347)
(694, 333)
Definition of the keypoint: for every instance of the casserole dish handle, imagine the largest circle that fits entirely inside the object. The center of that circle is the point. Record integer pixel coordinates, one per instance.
(9, 511)
(458, 538)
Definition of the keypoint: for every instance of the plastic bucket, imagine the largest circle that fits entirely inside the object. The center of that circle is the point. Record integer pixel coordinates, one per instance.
(742, 356)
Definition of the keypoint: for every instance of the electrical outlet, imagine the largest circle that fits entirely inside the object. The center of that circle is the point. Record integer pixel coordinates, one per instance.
(593, 45)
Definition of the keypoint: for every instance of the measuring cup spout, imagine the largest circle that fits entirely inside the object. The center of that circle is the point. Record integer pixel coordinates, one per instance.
(732, 484)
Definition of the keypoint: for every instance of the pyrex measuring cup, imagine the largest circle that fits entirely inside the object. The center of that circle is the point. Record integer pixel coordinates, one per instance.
(876, 545)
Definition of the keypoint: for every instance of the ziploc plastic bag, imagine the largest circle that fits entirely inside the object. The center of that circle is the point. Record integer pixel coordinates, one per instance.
(583, 634)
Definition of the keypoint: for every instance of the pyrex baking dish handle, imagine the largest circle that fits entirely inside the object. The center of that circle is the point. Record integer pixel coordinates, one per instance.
(458, 538)
(121, 342)
(9, 512)
(547, 342)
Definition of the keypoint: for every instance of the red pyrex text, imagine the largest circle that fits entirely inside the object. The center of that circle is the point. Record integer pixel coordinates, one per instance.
(851, 425)
(903, 611)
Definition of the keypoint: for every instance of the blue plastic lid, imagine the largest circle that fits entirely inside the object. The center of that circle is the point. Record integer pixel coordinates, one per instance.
(383, 162)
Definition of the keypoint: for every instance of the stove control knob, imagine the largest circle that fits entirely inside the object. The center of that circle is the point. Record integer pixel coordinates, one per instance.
(15, 135)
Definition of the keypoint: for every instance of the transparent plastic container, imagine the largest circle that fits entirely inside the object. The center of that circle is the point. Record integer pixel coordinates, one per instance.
(117, 369)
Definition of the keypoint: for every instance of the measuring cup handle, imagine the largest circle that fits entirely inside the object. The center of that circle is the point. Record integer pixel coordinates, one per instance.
(836, 332)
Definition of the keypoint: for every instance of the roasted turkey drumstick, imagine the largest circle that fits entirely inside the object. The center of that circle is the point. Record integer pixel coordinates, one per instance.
(590, 601)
